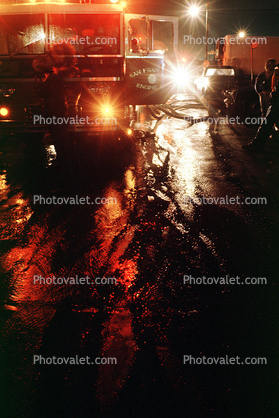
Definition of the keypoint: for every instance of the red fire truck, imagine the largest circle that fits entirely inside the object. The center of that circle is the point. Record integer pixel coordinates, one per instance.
(122, 61)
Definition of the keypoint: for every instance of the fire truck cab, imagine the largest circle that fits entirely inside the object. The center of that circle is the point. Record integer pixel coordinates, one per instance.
(122, 61)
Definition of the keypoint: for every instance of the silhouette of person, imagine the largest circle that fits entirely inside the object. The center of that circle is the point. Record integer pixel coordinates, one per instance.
(53, 69)
(263, 85)
(272, 116)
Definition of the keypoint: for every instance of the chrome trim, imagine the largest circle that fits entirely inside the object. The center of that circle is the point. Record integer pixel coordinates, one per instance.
(50, 7)
(34, 80)
(150, 55)
(97, 56)
(33, 56)
(95, 79)
(21, 56)
(17, 80)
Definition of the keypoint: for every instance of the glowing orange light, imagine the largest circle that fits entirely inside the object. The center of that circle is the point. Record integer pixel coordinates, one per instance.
(107, 110)
(3, 111)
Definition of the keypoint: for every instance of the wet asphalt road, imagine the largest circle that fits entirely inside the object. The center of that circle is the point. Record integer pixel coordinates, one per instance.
(148, 237)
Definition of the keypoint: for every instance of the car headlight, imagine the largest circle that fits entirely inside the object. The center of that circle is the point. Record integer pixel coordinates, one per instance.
(181, 77)
(205, 82)
(4, 111)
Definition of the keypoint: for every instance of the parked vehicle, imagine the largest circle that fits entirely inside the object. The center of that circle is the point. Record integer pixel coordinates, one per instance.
(212, 83)
(248, 56)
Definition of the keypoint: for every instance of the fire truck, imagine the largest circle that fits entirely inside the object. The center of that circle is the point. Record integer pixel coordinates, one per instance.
(123, 60)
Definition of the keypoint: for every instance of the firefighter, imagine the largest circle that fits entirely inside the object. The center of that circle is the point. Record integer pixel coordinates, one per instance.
(263, 85)
(271, 118)
(52, 70)
(135, 46)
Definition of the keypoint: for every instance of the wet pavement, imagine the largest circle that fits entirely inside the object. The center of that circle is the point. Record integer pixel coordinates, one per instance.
(158, 224)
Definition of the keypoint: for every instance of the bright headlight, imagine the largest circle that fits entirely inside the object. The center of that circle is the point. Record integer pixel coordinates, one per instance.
(205, 82)
(107, 111)
(181, 77)
(4, 111)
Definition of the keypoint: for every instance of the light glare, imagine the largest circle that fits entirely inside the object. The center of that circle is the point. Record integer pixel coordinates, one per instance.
(107, 111)
(194, 10)
(181, 77)
(4, 111)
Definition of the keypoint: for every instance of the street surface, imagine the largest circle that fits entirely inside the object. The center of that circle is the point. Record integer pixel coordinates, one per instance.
(166, 217)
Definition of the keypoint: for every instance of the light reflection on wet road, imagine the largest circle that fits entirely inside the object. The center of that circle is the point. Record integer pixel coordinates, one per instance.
(147, 240)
